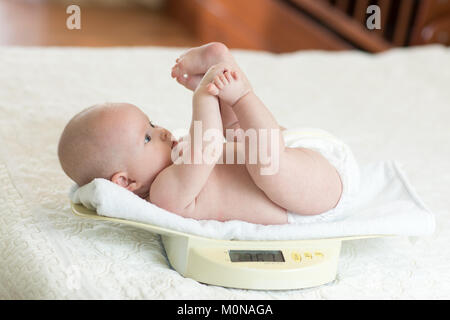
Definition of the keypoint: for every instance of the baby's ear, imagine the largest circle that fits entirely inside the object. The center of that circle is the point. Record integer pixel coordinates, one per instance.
(120, 178)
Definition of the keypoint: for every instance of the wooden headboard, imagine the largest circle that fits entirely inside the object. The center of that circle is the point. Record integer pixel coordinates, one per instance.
(290, 25)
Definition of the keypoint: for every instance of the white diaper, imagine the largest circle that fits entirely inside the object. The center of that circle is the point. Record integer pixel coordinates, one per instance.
(340, 156)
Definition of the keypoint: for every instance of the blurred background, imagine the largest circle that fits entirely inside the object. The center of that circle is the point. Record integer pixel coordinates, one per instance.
(272, 25)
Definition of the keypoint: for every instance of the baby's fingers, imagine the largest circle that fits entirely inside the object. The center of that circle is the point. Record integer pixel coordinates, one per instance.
(223, 79)
(212, 89)
(228, 76)
(218, 82)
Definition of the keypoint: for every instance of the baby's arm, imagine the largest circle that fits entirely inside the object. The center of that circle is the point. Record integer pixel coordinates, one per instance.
(176, 187)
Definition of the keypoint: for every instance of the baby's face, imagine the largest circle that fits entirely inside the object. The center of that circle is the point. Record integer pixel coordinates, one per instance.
(148, 147)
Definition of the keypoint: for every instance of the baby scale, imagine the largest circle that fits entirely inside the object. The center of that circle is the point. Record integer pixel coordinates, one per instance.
(264, 265)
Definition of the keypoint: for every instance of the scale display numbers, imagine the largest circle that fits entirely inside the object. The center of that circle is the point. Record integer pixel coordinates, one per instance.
(256, 256)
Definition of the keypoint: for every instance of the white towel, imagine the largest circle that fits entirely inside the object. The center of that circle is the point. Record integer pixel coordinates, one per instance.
(386, 205)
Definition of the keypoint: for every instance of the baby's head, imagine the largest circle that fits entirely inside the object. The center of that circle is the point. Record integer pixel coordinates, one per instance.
(115, 141)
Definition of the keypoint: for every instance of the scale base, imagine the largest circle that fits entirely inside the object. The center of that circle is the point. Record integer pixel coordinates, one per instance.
(307, 263)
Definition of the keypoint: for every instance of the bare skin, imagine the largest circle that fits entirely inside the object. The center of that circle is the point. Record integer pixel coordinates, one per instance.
(305, 183)
(213, 191)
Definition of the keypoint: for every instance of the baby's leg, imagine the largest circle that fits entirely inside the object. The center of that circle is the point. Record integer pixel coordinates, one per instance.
(299, 180)
(191, 66)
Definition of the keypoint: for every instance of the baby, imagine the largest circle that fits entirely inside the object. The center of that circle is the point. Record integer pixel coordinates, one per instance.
(118, 142)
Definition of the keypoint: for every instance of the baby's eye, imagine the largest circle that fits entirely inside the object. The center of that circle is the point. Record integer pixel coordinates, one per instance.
(147, 138)
(151, 123)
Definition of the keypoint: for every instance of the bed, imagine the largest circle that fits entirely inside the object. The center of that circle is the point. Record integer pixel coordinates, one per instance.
(391, 106)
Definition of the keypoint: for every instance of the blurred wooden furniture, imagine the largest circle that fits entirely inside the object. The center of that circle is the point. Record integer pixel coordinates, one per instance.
(43, 23)
(290, 25)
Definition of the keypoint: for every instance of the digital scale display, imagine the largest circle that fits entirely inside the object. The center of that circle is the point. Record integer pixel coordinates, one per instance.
(256, 256)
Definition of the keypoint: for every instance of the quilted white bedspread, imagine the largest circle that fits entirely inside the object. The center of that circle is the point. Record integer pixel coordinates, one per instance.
(393, 106)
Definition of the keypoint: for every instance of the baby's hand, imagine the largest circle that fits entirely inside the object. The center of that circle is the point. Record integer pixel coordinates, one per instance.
(229, 87)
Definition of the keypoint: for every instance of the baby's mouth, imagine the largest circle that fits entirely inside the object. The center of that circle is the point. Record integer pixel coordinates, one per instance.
(174, 143)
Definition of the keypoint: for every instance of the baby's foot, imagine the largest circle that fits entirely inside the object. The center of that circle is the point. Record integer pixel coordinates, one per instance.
(190, 81)
(229, 87)
(193, 64)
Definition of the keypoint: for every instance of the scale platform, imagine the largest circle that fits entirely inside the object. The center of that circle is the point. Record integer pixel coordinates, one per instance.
(261, 265)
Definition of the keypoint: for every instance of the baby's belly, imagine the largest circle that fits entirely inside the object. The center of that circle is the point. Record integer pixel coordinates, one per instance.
(231, 194)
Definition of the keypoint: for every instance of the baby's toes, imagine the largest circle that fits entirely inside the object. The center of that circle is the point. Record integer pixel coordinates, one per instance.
(177, 69)
(182, 80)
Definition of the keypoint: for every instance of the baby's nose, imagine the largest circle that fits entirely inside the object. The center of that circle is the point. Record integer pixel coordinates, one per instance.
(164, 135)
